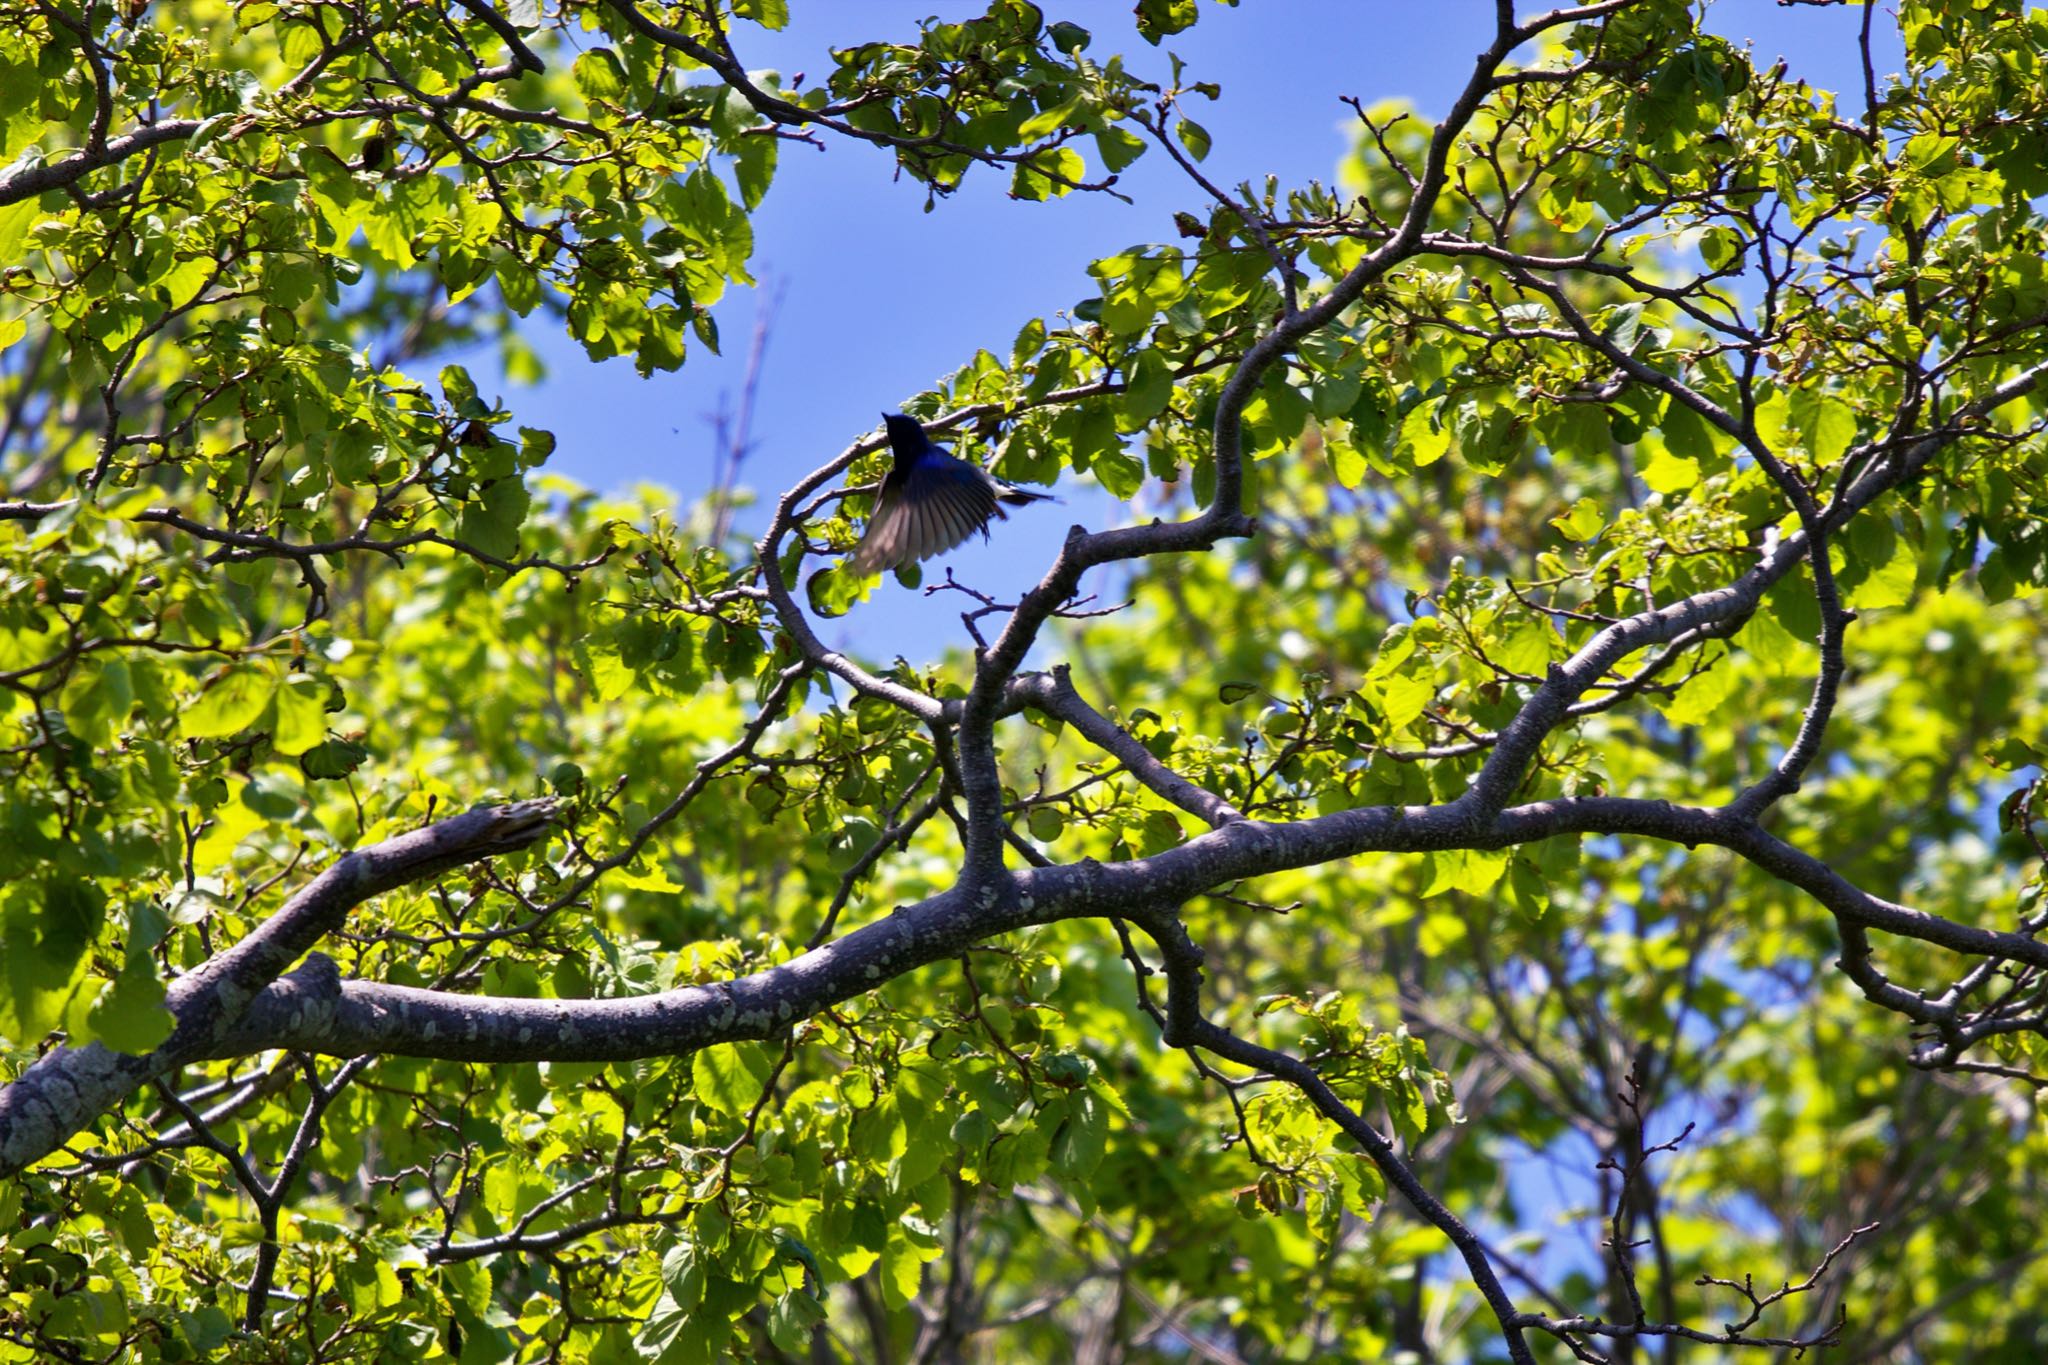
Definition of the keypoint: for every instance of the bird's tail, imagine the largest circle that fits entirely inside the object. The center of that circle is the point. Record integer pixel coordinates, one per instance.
(1021, 497)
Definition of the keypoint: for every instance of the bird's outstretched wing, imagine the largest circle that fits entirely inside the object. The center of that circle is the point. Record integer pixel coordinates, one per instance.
(939, 503)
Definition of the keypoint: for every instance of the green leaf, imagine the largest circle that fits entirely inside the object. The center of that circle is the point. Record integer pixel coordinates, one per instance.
(832, 592)
(1582, 521)
(231, 701)
(600, 75)
(902, 1271)
(1527, 890)
(1423, 438)
(731, 1076)
(769, 14)
(1122, 475)
(753, 165)
(2013, 753)
(535, 446)
(1622, 327)
(1148, 389)
(1127, 312)
(459, 389)
(300, 720)
(46, 930)
(1118, 147)
(1049, 119)
(1528, 647)
(1030, 341)
(1701, 699)
(1402, 697)
(1068, 37)
(491, 521)
(1194, 137)
(1669, 474)
(1577, 429)
(1079, 1142)
(791, 1319)
(207, 1328)
(1766, 640)
(1159, 19)
(129, 1015)
(1346, 462)
(1047, 174)
(98, 699)
(15, 221)
(332, 759)
(1826, 425)
(1892, 564)
(1721, 248)
(1686, 434)
(1473, 871)
(1363, 1188)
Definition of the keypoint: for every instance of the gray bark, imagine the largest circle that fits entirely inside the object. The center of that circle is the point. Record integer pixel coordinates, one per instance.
(69, 1087)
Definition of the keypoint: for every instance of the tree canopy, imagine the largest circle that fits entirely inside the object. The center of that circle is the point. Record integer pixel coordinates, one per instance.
(1524, 845)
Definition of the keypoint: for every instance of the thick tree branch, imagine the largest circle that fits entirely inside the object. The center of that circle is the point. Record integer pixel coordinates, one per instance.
(314, 1010)
(235, 1004)
(68, 170)
(69, 1087)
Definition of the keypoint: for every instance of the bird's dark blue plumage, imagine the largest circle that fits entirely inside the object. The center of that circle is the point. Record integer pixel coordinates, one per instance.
(930, 502)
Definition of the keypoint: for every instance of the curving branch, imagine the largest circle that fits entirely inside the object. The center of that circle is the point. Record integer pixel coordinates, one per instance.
(719, 57)
(70, 169)
(1054, 694)
(69, 1087)
(238, 1004)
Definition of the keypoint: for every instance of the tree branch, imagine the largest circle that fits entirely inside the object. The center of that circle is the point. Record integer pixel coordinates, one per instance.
(69, 1087)
(1054, 694)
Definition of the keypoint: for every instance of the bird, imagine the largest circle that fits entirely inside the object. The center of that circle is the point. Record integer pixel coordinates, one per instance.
(930, 501)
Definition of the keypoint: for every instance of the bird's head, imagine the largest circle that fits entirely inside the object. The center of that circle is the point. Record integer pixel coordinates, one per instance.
(906, 436)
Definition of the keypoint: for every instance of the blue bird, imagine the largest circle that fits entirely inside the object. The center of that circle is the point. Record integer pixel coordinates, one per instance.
(930, 502)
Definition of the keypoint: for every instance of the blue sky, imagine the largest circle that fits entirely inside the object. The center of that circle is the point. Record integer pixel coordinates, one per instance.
(878, 298)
